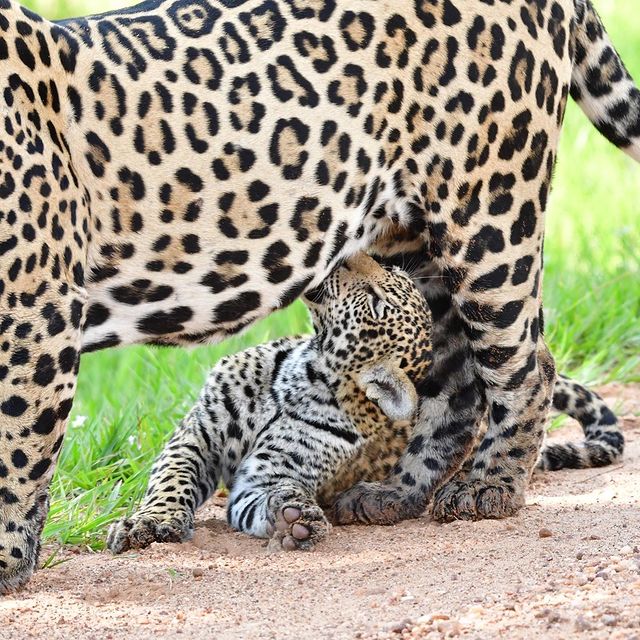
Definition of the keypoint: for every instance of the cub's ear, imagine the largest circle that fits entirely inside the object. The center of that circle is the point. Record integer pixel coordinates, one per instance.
(390, 388)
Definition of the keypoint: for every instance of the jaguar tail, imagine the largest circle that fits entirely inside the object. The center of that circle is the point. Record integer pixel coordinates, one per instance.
(603, 443)
(601, 84)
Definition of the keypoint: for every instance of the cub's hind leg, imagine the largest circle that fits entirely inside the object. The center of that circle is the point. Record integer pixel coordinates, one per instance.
(280, 509)
(274, 495)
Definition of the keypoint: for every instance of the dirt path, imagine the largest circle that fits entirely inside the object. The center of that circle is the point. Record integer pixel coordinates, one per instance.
(567, 566)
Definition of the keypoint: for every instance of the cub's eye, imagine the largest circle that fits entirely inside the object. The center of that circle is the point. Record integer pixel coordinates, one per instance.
(316, 296)
(377, 305)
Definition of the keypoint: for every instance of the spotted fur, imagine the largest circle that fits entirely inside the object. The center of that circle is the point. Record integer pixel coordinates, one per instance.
(292, 424)
(171, 172)
(604, 441)
(289, 424)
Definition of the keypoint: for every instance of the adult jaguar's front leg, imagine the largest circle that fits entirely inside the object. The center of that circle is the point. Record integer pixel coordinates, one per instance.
(499, 297)
(40, 339)
(451, 408)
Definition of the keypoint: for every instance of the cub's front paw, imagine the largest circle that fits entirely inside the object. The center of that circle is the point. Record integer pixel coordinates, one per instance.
(475, 500)
(297, 526)
(140, 530)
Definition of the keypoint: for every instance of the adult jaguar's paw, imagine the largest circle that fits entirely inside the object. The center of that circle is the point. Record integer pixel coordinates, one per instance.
(298, 526)
(20, 544)
(15, 572)
(140, 530)
(475, 500)
(375, 503)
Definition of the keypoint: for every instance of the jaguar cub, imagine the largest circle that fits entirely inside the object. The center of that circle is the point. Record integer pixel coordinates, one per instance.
(289, 424)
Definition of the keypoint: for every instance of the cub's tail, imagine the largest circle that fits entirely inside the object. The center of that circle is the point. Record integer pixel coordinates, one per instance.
(603, 443)
(601, 85)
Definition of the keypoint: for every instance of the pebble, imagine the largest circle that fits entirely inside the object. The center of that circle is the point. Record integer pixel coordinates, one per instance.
(581, 580)
(609, 620)
(198, 573)
(582, 624)
(545, 533)
(398, 627)
(449, 629)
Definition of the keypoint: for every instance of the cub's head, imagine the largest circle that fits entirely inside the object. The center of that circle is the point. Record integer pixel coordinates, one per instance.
(374, 326)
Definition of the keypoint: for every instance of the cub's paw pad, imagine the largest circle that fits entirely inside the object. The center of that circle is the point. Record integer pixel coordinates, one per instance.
(374, 503)
(139, 532)
(298, 526)
(475, 500)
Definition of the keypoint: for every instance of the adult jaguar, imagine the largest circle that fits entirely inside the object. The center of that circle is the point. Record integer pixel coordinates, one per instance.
(174, 171)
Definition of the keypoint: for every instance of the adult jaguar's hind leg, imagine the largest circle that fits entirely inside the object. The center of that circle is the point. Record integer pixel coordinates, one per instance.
(40, 342)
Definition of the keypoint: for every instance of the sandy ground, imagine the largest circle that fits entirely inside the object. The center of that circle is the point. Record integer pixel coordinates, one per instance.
(568, 566)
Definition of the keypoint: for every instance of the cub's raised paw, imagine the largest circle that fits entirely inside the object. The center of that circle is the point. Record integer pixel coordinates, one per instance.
(139, 531)
(298, 526)
(475, 500)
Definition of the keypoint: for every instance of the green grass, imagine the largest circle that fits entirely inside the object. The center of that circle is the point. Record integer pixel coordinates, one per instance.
(129, 400)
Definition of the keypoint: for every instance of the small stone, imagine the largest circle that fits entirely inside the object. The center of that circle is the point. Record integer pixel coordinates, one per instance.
(579, 555)
(198, 573)
(581, 580)
(609, 620)
(555, 617)
(545, 533)
(399, 627)
(449, 628)
(439, 616)
(582, 624)
(626, 551)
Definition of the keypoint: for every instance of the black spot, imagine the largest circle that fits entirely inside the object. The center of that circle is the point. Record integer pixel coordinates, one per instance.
(46, 422)
(165, 322)
(67, 359)
(234, 309)
(96, 315)
(39, 469)
(495, 356)
(294, 292)
(498, 412)
(273, 262)
(14, 406)
(521, 270)
(45, 371)
(19, 459)
(525, 225)
(492, 280)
